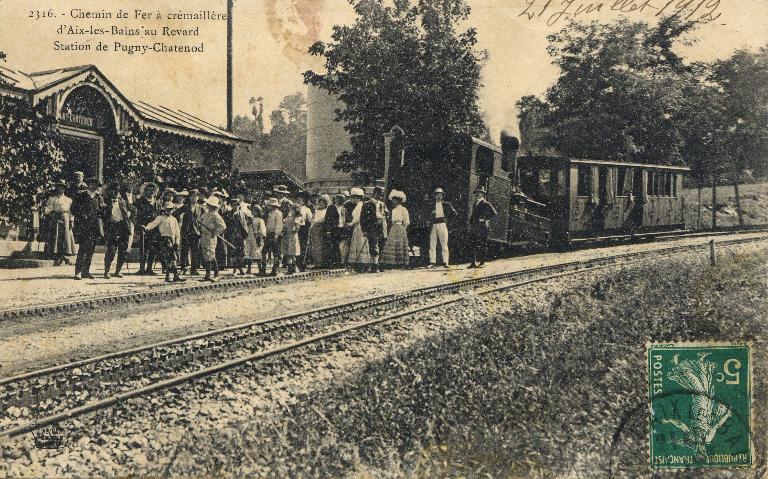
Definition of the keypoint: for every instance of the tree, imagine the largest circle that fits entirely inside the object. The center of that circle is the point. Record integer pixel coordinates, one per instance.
(408, 64)
(742, 80)
(29, 159)
(288, 137)
(620, 90)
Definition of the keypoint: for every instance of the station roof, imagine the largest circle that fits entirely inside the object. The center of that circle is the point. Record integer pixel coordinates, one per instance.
(39, 85)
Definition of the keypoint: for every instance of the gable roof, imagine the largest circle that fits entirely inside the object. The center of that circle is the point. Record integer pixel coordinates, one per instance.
(39, 85)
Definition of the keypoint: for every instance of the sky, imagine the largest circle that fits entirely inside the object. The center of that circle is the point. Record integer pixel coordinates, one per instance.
(271, 38)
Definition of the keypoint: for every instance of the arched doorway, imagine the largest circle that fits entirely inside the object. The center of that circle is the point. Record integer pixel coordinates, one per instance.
(86, 123)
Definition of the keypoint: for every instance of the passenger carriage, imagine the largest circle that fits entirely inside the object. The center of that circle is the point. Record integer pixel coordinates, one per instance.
(565, 201)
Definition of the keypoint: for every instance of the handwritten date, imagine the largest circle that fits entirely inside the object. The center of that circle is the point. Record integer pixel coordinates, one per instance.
(554, 11)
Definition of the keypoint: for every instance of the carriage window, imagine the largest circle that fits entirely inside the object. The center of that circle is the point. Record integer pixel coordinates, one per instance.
(669, 184)
(674, 185)
(650, 183)
(583, 186)
(621, 183)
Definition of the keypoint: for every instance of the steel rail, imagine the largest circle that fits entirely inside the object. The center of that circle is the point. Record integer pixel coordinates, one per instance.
(161, 292)
(367, 302)
(571, 268)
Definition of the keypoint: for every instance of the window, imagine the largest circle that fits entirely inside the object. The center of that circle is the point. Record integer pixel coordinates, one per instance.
(621, 183)
(583, 186)
(674, 185)
(649, 188)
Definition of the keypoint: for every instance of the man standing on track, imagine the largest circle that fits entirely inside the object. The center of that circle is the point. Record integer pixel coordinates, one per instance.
(86, 209)
(442, 213)
(479, 226)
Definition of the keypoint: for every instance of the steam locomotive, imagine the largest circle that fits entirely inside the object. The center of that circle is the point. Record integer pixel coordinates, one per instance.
(549, 200)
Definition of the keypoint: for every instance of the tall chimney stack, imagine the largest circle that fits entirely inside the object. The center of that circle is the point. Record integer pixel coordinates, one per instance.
(509, 147)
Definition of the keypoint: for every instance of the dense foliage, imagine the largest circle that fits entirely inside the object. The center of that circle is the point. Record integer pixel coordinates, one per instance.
(624, 93)
(409, 64)
(284, 146)
(620, 93)
(29, 159)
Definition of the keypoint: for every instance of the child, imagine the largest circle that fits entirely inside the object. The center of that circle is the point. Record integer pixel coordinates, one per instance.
(272, 241)
(291, 247)
(211, 226)
(254, 243)
(169, 241)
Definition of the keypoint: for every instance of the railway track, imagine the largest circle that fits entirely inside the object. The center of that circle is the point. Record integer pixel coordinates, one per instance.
(56, 394)
(161, 292)
(168, 292)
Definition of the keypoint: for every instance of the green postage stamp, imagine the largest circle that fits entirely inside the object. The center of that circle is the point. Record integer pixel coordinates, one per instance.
(700, 397)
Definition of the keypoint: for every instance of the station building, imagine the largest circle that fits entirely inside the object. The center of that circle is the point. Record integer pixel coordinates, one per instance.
(90, 112)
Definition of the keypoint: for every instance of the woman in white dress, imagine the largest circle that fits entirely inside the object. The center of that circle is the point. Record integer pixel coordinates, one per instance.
(358, 246)
(396, 248)
(61, 241)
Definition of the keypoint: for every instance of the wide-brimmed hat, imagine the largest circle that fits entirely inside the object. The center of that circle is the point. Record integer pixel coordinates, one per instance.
(325, 198)
(480, 189)
(397, 194)
(257, 209)
(193, 190)
(281, 189)
(356, 192)
(378, 189)
(273, 202)
(183, 193)
(93, 179)
(213, 201)
(59, 183)
(170, 190)
(438, 190)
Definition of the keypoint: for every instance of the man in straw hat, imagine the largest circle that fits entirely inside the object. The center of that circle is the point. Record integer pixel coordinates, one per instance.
(190, 214)
(212, 225)
(169, 241)
(86, 207)
(274, 225)
(441, 215)
(116, 216)
(479, 227)
(146, 211)
(281, 193)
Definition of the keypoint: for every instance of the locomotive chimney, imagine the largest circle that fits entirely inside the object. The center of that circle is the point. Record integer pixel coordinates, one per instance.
(509, 147)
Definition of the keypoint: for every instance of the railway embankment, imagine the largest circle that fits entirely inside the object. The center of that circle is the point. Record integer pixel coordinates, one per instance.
(492, 385)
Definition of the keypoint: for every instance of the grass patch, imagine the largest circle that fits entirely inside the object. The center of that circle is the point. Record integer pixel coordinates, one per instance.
(534, 389)
(754, 201)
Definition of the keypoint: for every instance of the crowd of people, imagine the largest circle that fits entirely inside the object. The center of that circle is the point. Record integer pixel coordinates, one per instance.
(195, 231)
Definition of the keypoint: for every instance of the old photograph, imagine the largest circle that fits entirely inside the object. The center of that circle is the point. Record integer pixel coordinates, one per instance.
(384, 239)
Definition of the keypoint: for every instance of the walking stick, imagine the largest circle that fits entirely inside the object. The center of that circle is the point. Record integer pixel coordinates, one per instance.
(56, 240)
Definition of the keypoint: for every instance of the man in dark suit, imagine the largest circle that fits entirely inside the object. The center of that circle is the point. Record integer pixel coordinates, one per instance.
(190, 215)
(479, 226)
(370, 223)
(146, 211)
(441, 215)
(86, 208)
(116, 216)
(333, 231)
